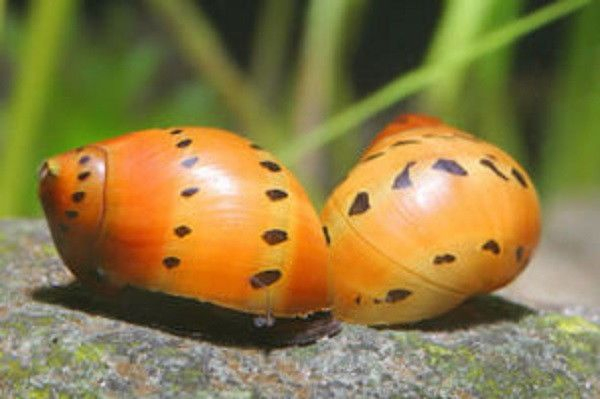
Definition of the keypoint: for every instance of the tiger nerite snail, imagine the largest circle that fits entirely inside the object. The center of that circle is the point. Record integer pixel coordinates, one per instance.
(429, 217)
(192, 212)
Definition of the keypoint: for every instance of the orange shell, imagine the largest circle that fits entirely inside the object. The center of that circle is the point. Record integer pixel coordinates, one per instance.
(429, 217)
(193, 212)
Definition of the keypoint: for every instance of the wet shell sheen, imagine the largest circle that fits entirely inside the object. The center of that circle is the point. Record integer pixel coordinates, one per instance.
(193, 212)
(428, 217)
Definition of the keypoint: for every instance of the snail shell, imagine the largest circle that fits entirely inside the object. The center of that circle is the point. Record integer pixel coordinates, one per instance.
(429, 217)
(192, 212)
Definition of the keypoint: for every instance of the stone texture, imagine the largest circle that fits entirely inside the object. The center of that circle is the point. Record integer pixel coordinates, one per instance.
(58, 340)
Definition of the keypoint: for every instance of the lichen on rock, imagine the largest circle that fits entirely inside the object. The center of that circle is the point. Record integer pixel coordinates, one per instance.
(58, 339)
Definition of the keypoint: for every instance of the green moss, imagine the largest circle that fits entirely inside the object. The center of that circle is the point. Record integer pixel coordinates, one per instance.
(89, 353)
(569, 325)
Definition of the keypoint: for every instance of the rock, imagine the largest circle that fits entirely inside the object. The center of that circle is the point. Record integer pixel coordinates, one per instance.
(57, 339)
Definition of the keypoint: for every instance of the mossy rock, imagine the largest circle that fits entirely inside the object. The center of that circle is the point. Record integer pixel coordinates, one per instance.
(59, 340)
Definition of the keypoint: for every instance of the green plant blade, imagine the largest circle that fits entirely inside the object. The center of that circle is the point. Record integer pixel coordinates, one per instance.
(46, 29)
(420, 78)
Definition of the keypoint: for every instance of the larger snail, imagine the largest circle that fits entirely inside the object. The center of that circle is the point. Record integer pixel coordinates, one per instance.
(192, 212)
(429, 217)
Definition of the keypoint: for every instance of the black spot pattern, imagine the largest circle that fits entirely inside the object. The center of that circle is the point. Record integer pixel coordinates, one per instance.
(405, 142)
(519, 252)
(189, 162)
(274, 236)
(360, 204)
(71, 214)
(270, 165)
(403, 178)
(373, 156)
(358, 299)
(84, 159)
(520, 178)
(265, 278)
(450, 166)
(175, 131)
(276, 194)
(171, 261)
(492, 246)
(182, 231)
(492, 166)
(78, 196)
(184, 143)
(397, 295)
(255, 146)
(445, 258)
(326, 234)
(83, 175)
(188, 192)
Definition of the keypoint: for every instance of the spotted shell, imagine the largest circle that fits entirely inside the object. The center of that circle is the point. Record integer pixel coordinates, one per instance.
(192, 212)
(429, 217)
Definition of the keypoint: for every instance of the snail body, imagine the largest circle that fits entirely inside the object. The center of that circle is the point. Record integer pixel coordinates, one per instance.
(429, 217)
(192, 212)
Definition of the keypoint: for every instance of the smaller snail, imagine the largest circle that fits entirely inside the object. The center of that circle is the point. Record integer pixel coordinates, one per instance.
(429, 217)
(192, 212)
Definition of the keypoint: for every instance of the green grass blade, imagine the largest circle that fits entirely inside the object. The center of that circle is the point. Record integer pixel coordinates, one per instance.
(570, 158)
(462, 21)
(420, 78)
(270, 47)
(48, 24)
(201, 45)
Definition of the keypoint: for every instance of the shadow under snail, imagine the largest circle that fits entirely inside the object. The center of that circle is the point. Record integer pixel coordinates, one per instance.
(428, 217)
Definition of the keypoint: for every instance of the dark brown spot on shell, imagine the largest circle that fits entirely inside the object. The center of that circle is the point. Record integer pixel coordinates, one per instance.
(184, 143)
(182, 231)
(63, 227)
(189, 162)
(360, 204)
(405, 142)
(71, 214)
(492, 246)
(326, 234)
(276, 194)
(520, 251)
(397, 295)
(176, 131)
(520, 178)
(403, 178)
(373, 156)
(450, 166)
(445, 258)
(377, 301)
(358, 299)
(77, 196)
(83, 175)
(171, 262)
(265, 278)
(84, 159)
(492, 166)
(188, 192)
(270, 165)
(255, 146)
(274, 236)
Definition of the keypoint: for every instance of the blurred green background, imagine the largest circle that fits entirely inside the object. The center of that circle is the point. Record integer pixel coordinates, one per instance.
(312, 81)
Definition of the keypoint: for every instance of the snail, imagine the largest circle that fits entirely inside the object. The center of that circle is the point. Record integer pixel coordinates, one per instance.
(429, 217)
(192, 212)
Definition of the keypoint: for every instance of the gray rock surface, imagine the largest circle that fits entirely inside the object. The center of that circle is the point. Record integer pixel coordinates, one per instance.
(58, 340)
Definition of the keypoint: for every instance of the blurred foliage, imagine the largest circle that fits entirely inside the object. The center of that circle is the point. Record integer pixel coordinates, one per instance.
(69, 77)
